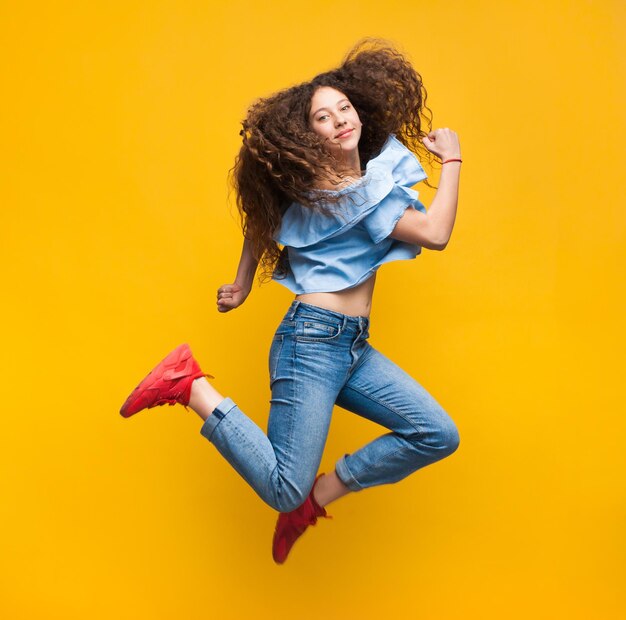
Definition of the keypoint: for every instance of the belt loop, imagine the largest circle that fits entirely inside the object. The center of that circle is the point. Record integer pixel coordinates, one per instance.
(294, 307)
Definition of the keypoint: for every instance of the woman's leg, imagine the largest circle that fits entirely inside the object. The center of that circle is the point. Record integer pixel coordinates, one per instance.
(305, 379)
(329, 488)
(204, 397)
(422, 432)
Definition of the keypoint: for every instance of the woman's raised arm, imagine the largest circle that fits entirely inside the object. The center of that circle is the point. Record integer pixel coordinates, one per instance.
(433, 230)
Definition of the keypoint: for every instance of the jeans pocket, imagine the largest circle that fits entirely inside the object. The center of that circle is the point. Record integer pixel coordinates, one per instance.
(274, 355)
(311, 330)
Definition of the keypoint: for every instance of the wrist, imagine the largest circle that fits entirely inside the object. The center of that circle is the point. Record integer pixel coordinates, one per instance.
(246, 287)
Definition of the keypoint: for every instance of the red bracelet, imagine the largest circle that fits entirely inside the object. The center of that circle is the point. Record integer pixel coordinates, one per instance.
(447, 160)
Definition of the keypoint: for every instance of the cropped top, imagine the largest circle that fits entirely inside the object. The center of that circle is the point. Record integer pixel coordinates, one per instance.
(333, 252)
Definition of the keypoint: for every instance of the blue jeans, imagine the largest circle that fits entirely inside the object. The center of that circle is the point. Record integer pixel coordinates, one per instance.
(320, 358)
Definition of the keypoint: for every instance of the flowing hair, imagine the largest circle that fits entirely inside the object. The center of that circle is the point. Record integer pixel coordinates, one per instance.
(282, 160)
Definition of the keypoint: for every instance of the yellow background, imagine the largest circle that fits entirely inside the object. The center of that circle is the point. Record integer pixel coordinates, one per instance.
(119, 124)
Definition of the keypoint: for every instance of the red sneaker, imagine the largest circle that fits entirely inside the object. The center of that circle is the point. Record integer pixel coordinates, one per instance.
(291, 525)
(169, 382)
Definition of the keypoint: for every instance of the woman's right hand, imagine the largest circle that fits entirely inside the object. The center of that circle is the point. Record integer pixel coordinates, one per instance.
(443, 142)
(230, 296)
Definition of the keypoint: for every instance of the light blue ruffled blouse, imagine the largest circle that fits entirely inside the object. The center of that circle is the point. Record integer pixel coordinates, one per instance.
(332, 253)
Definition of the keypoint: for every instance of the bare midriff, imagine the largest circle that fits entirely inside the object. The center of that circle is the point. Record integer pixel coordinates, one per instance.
(355, 301)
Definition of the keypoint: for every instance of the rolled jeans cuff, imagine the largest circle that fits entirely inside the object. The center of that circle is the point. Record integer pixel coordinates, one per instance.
(345, 475)
(216, 417)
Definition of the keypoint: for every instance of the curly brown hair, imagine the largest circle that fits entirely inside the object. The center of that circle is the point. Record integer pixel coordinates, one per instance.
(282, 159)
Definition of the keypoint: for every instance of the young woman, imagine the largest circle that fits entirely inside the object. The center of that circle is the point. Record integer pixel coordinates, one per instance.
(325, 170)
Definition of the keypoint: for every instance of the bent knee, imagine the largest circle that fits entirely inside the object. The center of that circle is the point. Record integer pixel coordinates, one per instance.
(443, 436)
(452, 438)
(448, 437)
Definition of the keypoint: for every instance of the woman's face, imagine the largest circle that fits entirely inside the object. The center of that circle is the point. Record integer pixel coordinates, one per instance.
(333, 117)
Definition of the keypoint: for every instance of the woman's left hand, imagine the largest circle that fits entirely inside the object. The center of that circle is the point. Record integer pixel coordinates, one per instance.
(443, 142)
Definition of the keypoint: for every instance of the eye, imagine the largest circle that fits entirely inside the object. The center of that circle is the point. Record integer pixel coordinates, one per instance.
(345, 107)
(322, 117)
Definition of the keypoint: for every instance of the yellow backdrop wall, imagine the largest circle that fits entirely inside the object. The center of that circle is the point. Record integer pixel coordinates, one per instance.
(120, 121)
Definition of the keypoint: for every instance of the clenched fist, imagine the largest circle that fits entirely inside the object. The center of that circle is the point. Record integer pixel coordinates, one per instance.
(230, 296)
(443, 142)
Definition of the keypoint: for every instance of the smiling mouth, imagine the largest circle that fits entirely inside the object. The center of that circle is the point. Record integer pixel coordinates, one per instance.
(343, 134)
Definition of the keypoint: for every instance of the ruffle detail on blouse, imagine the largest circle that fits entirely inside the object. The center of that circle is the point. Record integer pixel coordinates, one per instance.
(379, 198)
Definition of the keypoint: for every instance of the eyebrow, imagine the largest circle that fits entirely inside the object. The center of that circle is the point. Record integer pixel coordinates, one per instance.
(338, 102)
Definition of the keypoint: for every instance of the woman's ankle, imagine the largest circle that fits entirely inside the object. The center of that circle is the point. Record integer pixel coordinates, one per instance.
(204, 397)
(329, 488)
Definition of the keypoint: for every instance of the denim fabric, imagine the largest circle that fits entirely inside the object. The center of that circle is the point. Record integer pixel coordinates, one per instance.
(319, 358)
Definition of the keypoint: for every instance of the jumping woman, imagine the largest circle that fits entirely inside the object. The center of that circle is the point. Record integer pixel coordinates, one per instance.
(325, 170)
